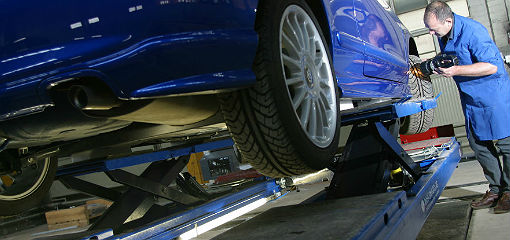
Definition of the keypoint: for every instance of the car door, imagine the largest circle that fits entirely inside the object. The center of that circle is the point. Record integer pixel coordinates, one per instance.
(385, 50)
(348, 47)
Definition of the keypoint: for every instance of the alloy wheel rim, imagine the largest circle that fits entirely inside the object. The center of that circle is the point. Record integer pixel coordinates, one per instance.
(307, 74)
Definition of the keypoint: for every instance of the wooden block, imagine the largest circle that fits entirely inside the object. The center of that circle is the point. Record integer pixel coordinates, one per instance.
(80, 223)
(97, 207)
(76, 216)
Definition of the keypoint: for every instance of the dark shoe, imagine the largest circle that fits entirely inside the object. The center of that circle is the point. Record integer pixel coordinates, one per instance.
(503, 204)
(488, 200)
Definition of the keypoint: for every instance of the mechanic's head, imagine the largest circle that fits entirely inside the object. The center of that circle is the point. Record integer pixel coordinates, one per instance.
(438, 18)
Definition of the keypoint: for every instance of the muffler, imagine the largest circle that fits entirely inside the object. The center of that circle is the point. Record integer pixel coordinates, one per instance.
(176, 111)
(87, 98)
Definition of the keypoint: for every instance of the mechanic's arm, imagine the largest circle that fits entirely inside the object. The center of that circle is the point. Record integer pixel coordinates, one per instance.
(478, 69)
(483, 52)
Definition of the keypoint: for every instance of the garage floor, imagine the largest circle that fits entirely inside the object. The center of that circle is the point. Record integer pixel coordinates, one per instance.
(451, 218)
(466, 184)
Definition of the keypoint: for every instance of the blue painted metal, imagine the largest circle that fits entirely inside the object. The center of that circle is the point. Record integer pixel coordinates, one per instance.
(376, 227)
(412, 107)
(401, 156)
(404, 215)
(385, 113)
(100, 235)
(111, 164)
(135, 45)
(350, 33)
(176, 225)
(362, 86)
(203, 82)
(347, 46)
(401, 218)
(158, 48)
(388, 112)
(424, 194)
(386, 53)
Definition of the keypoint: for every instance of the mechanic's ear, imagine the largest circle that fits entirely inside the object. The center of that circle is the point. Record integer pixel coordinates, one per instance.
(448, 21)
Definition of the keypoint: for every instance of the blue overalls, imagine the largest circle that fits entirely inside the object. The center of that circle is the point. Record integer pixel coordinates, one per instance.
(485, 100)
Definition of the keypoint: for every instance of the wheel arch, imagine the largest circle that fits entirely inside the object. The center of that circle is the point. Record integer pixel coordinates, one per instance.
(319, 12)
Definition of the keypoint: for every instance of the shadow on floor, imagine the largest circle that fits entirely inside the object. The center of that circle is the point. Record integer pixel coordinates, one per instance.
(449, 220)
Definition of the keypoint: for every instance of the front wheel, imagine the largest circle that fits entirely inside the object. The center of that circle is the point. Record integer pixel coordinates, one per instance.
(22, 190)
(288, 123)
(421, 88)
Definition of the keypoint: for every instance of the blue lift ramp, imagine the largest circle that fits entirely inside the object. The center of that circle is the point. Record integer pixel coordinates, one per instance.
(391, 215)
(342, 212)
(189, 224)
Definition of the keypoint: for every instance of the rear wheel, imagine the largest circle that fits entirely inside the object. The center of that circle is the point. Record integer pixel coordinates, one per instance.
(22, 190)
(288, 123)
(421, 88)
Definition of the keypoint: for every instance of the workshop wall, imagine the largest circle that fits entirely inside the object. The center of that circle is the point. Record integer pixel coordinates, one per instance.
(494, 17)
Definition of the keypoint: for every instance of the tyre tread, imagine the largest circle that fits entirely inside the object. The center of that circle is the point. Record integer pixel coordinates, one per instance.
(420, 89)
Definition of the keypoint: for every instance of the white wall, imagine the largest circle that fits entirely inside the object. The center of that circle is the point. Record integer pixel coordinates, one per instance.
(493, 14)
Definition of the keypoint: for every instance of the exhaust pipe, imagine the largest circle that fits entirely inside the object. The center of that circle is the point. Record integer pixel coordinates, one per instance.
(87, 98)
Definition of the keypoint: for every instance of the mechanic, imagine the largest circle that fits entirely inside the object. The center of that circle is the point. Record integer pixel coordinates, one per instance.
(484, 88)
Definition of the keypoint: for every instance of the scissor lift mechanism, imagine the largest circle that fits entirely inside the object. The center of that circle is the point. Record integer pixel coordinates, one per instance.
(371, 146)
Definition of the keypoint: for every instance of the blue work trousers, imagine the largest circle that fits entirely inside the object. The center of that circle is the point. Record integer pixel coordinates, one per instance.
(496, 172)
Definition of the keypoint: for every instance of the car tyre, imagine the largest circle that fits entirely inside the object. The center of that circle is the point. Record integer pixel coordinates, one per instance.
(421, 88)
(29, 188)
(288, 123)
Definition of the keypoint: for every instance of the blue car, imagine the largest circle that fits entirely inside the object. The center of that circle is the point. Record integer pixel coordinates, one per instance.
(101, 77)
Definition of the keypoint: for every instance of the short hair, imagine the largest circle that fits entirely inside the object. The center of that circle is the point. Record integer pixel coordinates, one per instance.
(440, 9)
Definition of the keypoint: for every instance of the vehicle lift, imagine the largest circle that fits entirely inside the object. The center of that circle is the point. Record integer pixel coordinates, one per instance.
(362, 209)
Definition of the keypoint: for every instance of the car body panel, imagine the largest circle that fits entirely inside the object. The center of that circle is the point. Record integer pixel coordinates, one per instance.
(359, 66)
(385, 50)
(148, 49)
(133, 45)
(346, 43)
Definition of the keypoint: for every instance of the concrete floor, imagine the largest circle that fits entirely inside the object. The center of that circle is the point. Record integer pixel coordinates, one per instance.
(42, 232)
(315, 185)
(467, 183)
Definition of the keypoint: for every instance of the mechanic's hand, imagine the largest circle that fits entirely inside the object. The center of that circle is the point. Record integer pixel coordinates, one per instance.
(447, 72)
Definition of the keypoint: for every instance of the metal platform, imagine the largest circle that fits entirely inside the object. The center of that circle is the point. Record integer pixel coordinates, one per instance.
(391, 215)
(383, 215)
